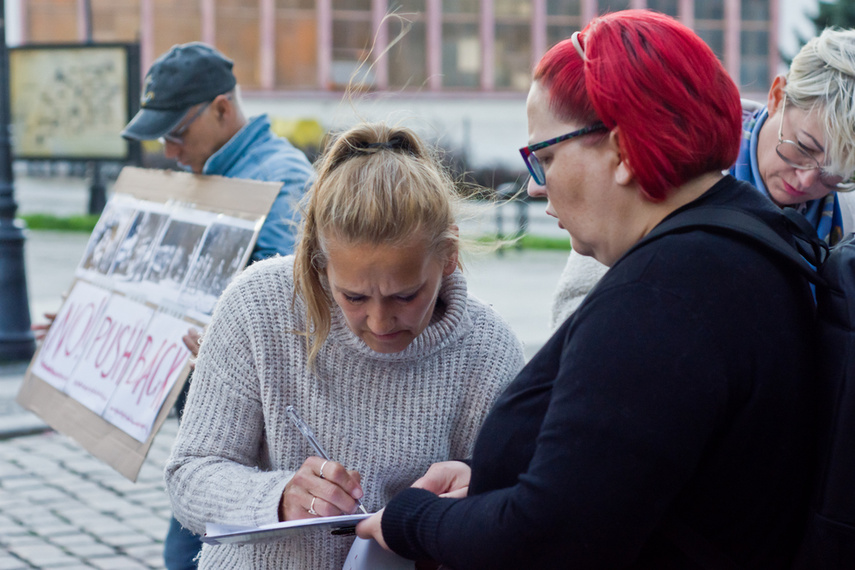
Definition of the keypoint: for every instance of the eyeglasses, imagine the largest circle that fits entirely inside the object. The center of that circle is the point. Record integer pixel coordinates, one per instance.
(796, 156)
(176, 136)
(533, 164)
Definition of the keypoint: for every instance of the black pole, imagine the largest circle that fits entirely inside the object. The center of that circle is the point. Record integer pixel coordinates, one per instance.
(97, 190)
(16, 339)
(87, 7)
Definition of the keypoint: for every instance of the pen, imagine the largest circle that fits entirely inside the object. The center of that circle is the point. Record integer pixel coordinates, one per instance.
(307, 432)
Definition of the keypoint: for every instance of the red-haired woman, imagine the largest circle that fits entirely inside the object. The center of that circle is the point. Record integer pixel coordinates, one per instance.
(666, 424)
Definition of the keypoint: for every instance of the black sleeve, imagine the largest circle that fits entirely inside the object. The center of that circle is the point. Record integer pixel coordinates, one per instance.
(640, 388)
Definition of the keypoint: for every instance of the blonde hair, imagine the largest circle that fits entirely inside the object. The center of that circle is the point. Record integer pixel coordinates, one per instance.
(823, 75)
(376, 184)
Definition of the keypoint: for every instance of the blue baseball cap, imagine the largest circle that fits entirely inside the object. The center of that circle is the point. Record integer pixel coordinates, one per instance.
(186, 75)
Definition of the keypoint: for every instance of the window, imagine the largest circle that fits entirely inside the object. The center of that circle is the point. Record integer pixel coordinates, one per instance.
(352, 38)
(563, 17)
(296, 52)
(604, 6)
(407, 61)
(709, 10)
(713, 34)
(754, 63)
(669, 7)
(755, 10)
(513, 56)
(461, 55)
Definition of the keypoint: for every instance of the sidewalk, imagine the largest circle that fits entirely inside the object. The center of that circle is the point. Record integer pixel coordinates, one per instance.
(62, 508)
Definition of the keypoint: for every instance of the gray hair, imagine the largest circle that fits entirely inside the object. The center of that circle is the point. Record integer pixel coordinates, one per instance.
(822, 77)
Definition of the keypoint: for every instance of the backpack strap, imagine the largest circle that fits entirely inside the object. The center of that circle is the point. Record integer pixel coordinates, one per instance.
(733, 221)
(808, 243)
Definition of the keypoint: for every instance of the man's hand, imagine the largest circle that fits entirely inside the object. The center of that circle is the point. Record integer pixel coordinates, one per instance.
(192, 340)
(41, 329)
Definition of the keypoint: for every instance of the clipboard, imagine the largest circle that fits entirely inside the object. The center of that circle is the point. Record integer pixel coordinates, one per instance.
(344, 525)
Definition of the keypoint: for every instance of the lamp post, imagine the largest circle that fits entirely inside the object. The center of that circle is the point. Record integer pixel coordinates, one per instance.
(97, 190)
(16, 339)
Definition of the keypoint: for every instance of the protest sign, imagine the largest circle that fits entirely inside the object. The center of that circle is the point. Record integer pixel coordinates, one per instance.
(113, 363)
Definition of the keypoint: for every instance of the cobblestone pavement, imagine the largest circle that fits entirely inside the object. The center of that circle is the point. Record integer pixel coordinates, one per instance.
(62, 508)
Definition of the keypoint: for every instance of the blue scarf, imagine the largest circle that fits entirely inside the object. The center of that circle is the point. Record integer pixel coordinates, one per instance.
(823, 213)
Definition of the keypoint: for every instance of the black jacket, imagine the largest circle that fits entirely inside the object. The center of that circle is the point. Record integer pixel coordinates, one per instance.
(672, 412)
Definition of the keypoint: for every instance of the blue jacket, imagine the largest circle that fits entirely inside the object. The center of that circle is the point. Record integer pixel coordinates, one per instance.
(823, 213)
(255, 153)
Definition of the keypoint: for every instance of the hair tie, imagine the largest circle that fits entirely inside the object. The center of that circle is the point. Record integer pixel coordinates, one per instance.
(370, 148)
(395, 143)
(387, 145)
(576, 44)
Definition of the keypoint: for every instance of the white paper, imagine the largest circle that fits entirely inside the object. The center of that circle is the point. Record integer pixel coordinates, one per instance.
(70, 333)
(228, 534)
(135, 251)
(107, 235)
(156, 366)
(115, 341)
(369, 555)
(174, 253)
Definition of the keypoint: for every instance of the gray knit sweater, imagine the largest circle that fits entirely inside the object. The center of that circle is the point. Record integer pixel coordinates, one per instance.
(389, 416)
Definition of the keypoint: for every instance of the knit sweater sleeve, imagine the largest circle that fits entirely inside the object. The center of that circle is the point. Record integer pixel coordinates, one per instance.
(213, 474)
(579, 276)
(493, 358)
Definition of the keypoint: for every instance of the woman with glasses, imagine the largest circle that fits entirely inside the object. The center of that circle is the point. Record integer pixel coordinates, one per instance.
(800, 149)
(667, 423)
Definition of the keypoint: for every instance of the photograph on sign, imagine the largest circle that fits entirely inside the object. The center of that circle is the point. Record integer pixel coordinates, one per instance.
(174, 253)
(106, 237)
(225, 251)
(69, 335)
(134, 253)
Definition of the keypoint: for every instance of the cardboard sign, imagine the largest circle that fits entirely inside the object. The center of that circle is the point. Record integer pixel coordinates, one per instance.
(158, 360)
(113, 363)
(111, 348)
(69, 335)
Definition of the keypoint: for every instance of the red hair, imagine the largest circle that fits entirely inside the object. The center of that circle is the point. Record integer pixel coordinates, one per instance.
(677, 109)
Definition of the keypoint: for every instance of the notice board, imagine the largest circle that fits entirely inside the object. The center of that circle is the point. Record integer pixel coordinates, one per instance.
(71, 101)
(113, 363)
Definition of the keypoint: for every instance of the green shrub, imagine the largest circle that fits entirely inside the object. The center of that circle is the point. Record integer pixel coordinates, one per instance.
(84, 223)
(533, 242)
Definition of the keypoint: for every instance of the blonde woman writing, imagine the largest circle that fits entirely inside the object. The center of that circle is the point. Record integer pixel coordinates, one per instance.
(368, 330)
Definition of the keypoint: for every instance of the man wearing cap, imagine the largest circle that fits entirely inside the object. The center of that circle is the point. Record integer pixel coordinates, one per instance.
(190, 103)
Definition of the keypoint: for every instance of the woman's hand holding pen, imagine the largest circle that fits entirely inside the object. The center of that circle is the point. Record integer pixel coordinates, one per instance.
(320, 488)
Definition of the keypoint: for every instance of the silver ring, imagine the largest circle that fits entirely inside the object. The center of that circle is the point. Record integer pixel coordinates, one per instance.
(312, 510)
(321, 474)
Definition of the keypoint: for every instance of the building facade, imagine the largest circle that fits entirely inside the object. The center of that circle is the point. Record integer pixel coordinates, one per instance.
(429, 47)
